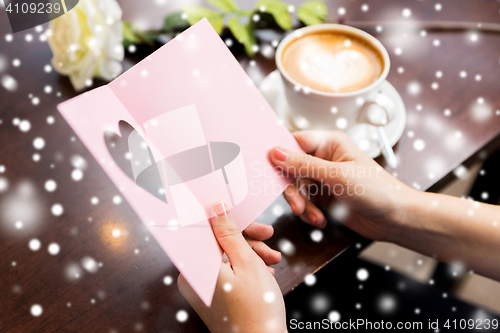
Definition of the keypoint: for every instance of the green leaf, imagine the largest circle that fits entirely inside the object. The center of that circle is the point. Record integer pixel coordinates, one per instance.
(243, 34)
(196, 13)
(175, 21)
(279, 10)
(128, 33)
(152, 35)
(312, 12)
(132, 35)
(224, 5)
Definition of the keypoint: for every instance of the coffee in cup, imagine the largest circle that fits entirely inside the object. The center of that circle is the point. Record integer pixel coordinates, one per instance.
(332, 61)
(331, 72)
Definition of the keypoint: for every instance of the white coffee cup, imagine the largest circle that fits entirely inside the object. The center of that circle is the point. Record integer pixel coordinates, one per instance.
(315, 109)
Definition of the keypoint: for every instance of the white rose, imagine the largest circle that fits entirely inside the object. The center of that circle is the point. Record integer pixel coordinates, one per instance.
(87, 41)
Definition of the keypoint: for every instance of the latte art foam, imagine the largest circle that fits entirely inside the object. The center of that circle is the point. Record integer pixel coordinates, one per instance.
(332, 62)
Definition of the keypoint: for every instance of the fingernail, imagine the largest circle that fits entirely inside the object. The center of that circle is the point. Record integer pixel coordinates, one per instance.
(312, 218)
(292, 206)
(280, 154)
(220, 209)
(321, 222)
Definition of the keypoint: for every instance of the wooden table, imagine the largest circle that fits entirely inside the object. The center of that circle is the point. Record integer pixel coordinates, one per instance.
(101, 283)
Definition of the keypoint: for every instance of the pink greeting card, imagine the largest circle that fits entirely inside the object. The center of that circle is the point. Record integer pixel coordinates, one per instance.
(202, 134)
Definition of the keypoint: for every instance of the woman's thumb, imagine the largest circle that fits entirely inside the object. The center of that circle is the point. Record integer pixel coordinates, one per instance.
(229, 236)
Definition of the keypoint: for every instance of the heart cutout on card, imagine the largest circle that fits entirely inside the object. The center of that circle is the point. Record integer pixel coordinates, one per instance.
(182, 177)
(118, 147)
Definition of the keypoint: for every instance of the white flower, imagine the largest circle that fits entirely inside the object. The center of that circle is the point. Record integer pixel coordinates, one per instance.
(87, 41)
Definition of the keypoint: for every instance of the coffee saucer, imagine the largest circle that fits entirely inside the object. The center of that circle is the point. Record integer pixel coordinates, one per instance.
(365, 136)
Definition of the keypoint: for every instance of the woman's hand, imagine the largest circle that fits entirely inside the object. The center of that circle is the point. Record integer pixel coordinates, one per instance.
(335, 168)
(255, 234)
(247, 297)
(451, 229)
